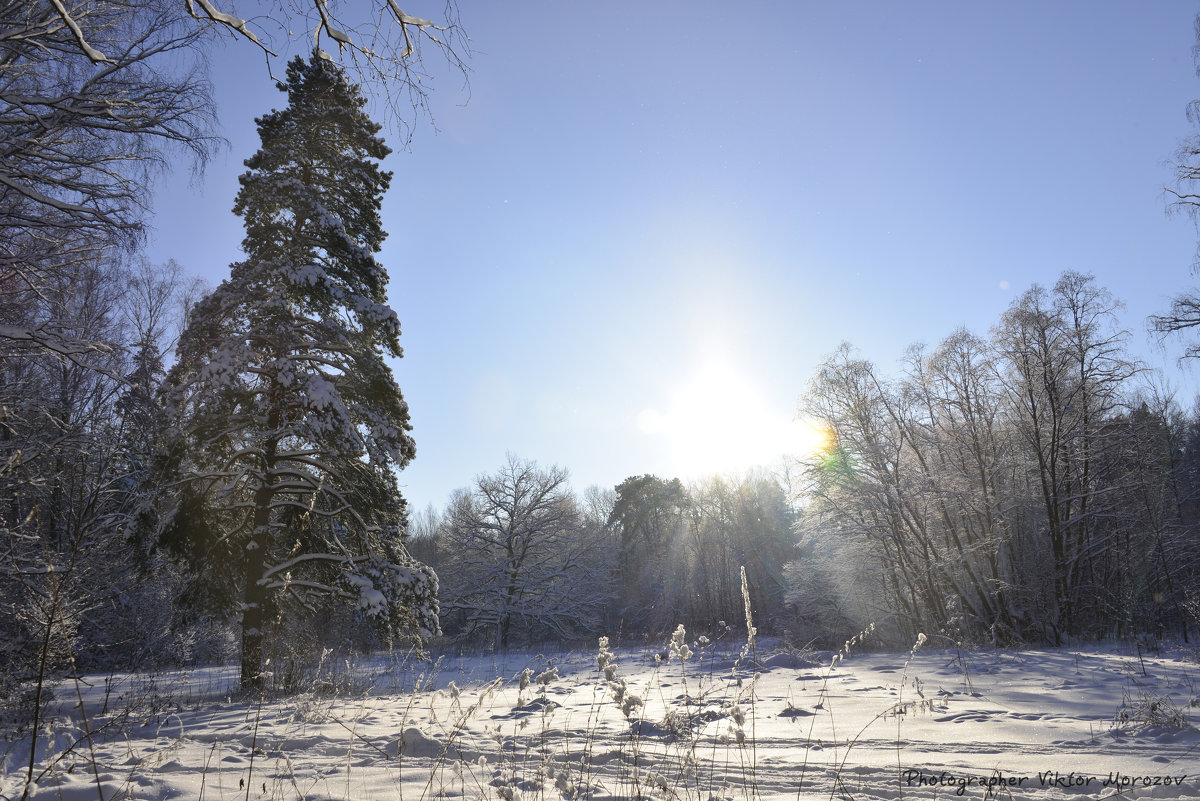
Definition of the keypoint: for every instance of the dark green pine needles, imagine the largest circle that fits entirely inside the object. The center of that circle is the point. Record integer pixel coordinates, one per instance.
(288, 424)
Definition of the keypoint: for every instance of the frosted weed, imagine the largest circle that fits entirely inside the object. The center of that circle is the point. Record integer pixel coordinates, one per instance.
(1150, 710)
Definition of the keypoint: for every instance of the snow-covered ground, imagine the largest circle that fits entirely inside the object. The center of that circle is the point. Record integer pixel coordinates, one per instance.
(1047, 724)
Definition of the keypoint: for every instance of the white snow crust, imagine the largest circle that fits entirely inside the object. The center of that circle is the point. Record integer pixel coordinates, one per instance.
(1044, 725)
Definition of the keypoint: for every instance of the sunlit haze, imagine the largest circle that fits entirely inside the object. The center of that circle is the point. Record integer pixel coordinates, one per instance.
(628, 245)
(717, 421)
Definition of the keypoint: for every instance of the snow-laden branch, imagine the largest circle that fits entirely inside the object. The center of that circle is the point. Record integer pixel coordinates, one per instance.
(342, 559)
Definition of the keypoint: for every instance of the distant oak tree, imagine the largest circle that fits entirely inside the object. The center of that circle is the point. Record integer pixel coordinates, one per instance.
(520, 559)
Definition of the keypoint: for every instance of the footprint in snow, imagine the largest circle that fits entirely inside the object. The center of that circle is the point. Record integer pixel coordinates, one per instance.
(795, 712)
(966, 717)
(1026, 715)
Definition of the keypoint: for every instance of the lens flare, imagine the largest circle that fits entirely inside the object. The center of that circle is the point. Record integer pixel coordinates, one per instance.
(815, 439)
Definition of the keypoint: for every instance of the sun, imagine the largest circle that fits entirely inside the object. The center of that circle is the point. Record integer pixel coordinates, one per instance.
(814, 438)
(717, 421)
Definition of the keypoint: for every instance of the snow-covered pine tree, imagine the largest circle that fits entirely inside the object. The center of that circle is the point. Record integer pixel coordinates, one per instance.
(288, 425)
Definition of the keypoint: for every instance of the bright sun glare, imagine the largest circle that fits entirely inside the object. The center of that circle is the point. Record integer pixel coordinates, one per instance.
(718, 422)
(813, 438)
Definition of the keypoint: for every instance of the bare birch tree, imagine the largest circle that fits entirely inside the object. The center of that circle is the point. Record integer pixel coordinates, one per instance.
(81, 141)
(380, 45)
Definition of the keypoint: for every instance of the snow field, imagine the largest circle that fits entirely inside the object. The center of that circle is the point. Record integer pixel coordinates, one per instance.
(1047, 724)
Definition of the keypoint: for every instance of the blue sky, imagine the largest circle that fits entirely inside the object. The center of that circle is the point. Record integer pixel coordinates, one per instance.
(629, 247)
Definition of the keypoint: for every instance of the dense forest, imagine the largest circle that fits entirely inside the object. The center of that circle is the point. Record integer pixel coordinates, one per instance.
(192, 476)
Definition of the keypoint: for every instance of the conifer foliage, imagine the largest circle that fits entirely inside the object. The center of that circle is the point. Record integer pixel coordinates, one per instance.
(289, 424)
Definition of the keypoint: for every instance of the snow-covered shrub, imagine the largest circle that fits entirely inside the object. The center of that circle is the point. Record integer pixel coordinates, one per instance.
(1150, 710)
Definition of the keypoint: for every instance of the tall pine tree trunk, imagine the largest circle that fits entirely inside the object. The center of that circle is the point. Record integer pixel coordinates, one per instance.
(255, 593)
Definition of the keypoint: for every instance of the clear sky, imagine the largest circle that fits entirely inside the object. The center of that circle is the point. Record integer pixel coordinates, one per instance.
(628, 249)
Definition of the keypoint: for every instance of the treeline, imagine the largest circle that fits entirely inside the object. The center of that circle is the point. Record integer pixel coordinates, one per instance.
(521, 557)
(1030, 486)
(78, 431)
